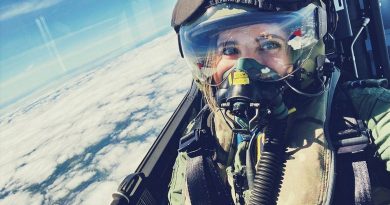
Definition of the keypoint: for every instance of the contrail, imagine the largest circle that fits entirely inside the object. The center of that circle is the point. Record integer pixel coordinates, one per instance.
(50, 43)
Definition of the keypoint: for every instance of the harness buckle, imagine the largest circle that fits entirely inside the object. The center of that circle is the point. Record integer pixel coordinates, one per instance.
(354, 140)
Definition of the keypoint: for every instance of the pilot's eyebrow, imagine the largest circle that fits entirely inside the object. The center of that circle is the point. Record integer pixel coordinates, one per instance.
(268, 36)
(226, 43)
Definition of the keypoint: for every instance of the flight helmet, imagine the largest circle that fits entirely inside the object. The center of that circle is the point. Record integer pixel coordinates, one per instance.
(286, 36)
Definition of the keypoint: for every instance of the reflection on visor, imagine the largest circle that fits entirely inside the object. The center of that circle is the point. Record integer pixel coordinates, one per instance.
(275, 41)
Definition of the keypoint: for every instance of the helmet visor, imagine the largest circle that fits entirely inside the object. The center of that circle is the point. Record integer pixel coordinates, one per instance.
(279, 41)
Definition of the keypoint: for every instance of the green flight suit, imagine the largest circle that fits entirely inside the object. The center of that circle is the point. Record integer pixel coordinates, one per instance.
(310, 163)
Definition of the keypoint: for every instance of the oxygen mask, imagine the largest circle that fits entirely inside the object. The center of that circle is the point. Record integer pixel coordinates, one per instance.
(249, 98)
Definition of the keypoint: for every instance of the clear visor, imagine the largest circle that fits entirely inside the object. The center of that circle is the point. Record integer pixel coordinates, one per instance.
(278, 41)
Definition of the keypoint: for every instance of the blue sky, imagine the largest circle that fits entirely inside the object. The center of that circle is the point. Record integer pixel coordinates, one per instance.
(42, 40)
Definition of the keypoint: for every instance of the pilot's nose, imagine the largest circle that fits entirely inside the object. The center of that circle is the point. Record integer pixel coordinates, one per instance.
(250, 52)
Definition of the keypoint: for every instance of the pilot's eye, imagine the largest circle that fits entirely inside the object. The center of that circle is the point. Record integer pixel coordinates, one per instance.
(230, 51)
(269, 45)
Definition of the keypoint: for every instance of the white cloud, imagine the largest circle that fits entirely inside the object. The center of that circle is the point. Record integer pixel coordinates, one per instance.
(75, 143)
(95, 194)
(22, 198)
(25, 7)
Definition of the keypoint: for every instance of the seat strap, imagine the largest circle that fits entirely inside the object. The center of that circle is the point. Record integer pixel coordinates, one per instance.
(204, 183)
(362, 183)
(196, 181)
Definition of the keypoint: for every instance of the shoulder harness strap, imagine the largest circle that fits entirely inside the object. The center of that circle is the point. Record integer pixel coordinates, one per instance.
(204, 183)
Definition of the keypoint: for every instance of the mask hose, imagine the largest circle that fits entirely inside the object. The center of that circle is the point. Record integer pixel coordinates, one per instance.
(266, 183)
(270, 167)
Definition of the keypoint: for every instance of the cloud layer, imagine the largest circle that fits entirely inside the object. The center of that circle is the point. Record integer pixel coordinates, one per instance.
(74, 144)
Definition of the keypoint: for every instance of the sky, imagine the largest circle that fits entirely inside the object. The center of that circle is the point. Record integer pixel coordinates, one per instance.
(43, 40)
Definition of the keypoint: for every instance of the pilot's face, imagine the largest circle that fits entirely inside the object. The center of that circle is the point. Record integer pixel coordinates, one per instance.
(263, 42)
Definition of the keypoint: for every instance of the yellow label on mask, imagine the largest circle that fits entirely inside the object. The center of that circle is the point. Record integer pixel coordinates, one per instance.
(238, 78)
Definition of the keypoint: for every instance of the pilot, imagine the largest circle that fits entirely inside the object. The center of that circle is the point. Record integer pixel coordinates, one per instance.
(273, 132)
